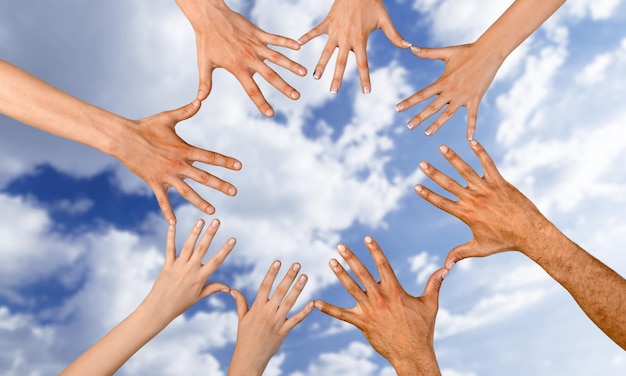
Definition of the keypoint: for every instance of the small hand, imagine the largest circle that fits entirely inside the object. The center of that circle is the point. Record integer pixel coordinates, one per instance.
(397, 325)
(182, 281)
(348, 25)
(152, 150)
(469, 72)
(264, 327)
(500, 216)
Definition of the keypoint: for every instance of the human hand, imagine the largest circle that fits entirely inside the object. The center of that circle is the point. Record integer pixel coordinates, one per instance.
(397, 325)
(263, 327)
(469, 71)
(182, 281)
(152, 150)
(226, 39)
(348, 25)
(500, 217)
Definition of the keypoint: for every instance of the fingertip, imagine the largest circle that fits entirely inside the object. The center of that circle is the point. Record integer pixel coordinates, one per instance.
(415, 49)
(444, 274)
(172, 221)
(237, 165)
(232, 241)
(268, 113)
(199, 223)
(406, 43)
(369, 240)
(232, 191)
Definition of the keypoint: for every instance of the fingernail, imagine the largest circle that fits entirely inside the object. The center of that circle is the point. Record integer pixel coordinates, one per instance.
(419, 188)
(444, 273)
(301, 71)
(302, 279)
(415, 49)
(428, 132)
(341, 248)
(334, 89)
(215, 223)
(199, 223)
(366, 89)
(171, 228)
(310, 305)
(333, 263)
(232, 241)
(406, 43)
(237, 165)
(210, 210)
(232, 191)
(450, 265)
(412, 124)
(424, 165)
(276, 264)
(399, 107)
(443, 148)
(369, 240)
(269, 112)
(295, 267)
(317, 74)
(171, 221)
(294, 94)
(473, 142)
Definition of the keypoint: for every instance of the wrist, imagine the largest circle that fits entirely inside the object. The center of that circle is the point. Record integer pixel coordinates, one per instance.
(424, 364)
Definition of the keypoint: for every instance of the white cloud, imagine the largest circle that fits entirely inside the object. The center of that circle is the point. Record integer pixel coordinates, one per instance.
(424, 265)
(595, 9)
(595, 71)
(353, 360)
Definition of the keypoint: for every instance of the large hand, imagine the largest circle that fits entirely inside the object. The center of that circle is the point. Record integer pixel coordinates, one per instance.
(226, 39)
(500, 216)
(263, 328)
(348, 25)
(152, 150)
(467, 76)
(182, 281)
(397, 325)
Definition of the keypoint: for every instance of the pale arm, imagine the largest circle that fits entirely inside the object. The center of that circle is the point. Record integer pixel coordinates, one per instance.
(502, 219)
(470, 68)
(148, 147)
(181, 283)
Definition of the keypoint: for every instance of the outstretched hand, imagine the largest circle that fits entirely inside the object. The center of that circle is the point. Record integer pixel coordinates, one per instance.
(397, 325)
(152, 150)
(348, 25)
(469, 71)
(226, 39)
(264, 327)
(500, 217)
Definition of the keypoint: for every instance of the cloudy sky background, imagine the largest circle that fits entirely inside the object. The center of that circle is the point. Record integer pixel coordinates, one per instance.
(81, 238)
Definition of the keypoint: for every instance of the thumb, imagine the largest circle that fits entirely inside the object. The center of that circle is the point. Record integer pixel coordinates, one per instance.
(205, 85)
(431, 53)
(240, 302)
(212, 288)
(433, 285)
(393, 35)
(459, 253)
(186, 111)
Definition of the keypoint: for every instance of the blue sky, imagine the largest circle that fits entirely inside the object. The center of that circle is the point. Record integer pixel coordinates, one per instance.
(81, 238)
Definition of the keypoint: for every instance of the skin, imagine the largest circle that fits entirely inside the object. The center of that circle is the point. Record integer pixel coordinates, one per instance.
(502, 219)
(180, 284)
(226, 39)
(470, 68)
(399, 326)
(263, 327)
(348, 26)
(148, 147)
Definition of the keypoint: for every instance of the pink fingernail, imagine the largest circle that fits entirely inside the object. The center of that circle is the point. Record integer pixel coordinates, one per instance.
(237, 165)
(333, 263)
(341, 248)
(369, 240)
(232, 191)
(232, 241)
(295, 267)
(215, 223)
(444, 273)
(199, 223)
(302, 279)
(424, 165)
(443, 148)
(276, 264)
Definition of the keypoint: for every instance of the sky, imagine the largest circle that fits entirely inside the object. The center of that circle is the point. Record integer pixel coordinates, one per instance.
(82, 238)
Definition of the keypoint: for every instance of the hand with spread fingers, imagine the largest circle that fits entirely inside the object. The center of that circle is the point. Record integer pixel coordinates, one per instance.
(264, 326)
(348, 25)
(226, 39)
(398, 325)
(502, 219)
(470, 68)
(180, 284)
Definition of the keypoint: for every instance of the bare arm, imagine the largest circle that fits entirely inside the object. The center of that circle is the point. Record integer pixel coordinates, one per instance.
(470, 68)
(180, 284)
(503, 219)
(148, 147)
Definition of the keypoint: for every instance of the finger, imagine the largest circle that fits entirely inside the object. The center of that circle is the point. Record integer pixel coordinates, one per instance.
(336, 312)
(364, 70)
(211, 181)
(277, 81)
(392, 33)
(293, 295)
(285, 283)
(465, 170)
(443, 180)
(216, 261)
(212, 288)
(190, 243)
(205, 84)
(298, 317)
(385, 270)
(431, 53)
(214, 159)
(192, 197)
(472, 115)
(170, 245)
(434, 199)
(459, 253)
(204, 243)
(255, 94)
(164, 203)
(340, 68)
(360, 271)
(327, 52)
(419, 97)
(266, 285)
(279, 40)
(285, 62)
(186, 111)
(240, 302)
(445, 115)
(433, 286)
(489, 167)
(313, 33)
(432, 108)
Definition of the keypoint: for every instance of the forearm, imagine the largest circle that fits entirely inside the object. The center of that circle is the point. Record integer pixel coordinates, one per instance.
(419, 363)
(107, 355)
(520, 20)
(599, 291)
(199, 11)
(242, 364)
(32, 101)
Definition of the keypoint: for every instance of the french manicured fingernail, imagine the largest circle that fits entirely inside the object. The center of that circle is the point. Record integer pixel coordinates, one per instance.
(333, 263)
(295, 267)
(369, 240)
(302, 279)
(341, 248)
(232, 191)
(444, 273)
(334, 89)
(400, 107)
(428, 132)
(366, 89)
(406, 43)
(473, 142)
(276, 264)
(424, 165)
(215, 223)
(317, 74)
(199, 223)
(443, 148)
(412, 124)
(415, 49)
(232, 241)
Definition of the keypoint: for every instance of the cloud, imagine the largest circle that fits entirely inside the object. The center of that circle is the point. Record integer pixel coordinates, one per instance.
(595, 9)
(353, 360)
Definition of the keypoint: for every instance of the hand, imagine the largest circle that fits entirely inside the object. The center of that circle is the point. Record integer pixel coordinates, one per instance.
(226, 39)
(469, 71)
(397, 325)
(152, 150)
(263, 328)
(348, 25)
(182, 281)
(500, 216)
